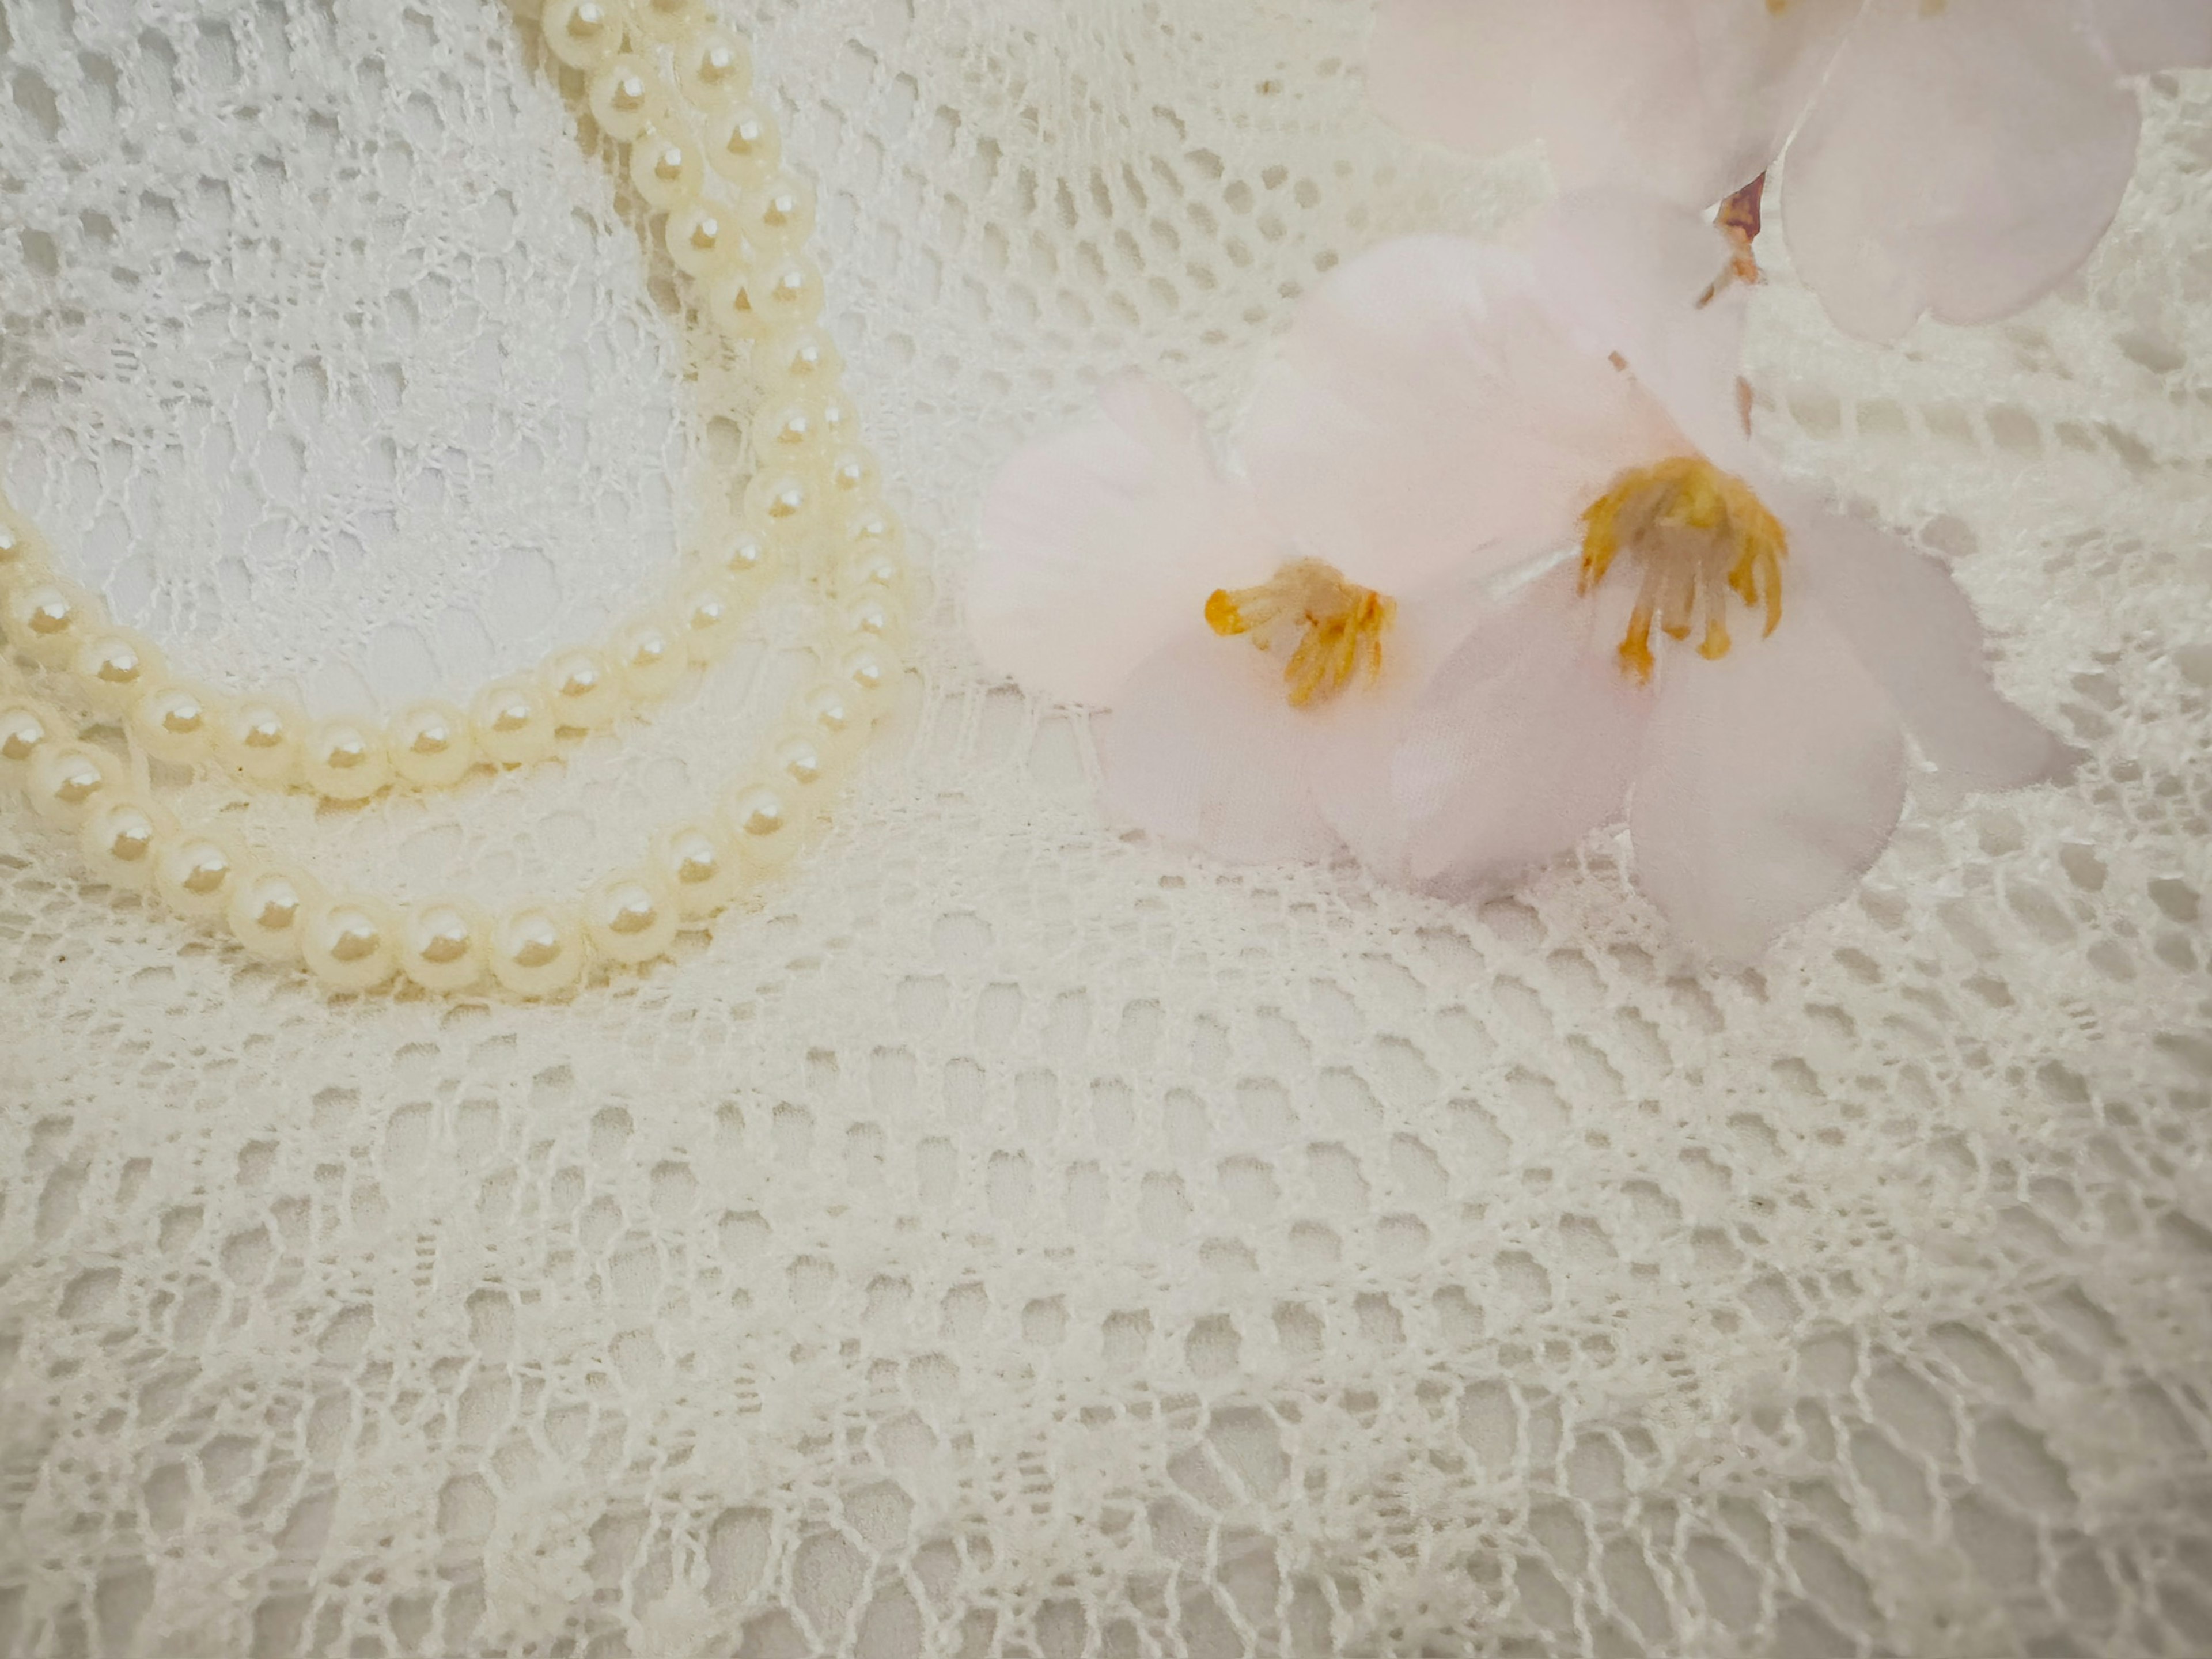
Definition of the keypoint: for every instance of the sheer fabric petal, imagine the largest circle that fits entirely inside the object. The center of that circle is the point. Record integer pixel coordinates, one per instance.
(1771, 781)
(1916, 633)
(1101, 542)
(1426, 418)
(1685, 99)
(2153, 34)
(1525, 741)
(1961, 161)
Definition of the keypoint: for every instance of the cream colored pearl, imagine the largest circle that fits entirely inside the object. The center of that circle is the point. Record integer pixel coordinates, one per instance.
(871, 670)
(743, 146)
(117, 667)
(261, 740)
(666, 170)
(622, 95)
(432, 746)
(801, 360)
(710, 614)
(351, 944)
(836, 715)
(668, 20)
(444, 944)
(513, 721)
(650, 655)
(195, 875)
(23, 549)
(874, 532)
(780, 215)
(874, 617)
(582, 34)
(728, 304)
(631, 917)
(764, 824)
(702, 240)
(790, 437)
(46, 619)
(345, 760)
(700, 866)
(538, 950)
(174, 723)
(67, 779)
(25, 731)
(742, 557)
(120, 839)
(587, 693)
(853, 475)
(788, 293)
(715, 71)
(783, 504)
(266, 909)
(808, 765)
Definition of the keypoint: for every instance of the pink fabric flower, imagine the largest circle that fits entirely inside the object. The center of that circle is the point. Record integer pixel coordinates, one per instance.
(1959, 158)
(1441, 420)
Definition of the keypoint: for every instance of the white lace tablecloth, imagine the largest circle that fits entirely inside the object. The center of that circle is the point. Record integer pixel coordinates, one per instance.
(1018, 1239)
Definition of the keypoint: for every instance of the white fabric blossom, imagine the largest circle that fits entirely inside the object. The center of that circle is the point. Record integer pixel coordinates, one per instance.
(1955, 157)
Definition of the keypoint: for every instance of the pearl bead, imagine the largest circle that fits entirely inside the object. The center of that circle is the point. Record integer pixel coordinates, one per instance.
(729, 305)
(587, 692)
(780, 217)
(875, 617)
(853, 475)
(870, 669)
(702, 240)
(582, 34)
(266, 911)
(23, 549)
(711, 614)
(789, 438)
(650, 655)
(873, 570)
(715, 71)
(443, 945)
(666, 171)
(351, 944)
(701, 868)
(744, 147)
(345, 760)
(839, 421)
(803, 360)
(630, 918)
(25, 731)
(836, 715)
(119, 840)
(623, 97)
(808, 764)
(174, 723)
(762, 825)
(117, 667)
(667, 21)
(538, 950)
(511, 721)
(261, 740)
(195, 875)
(788, 293)
(781, 503)
(742, 557)
(67, 780)
(46, 619)
(875, 531)
(431, 746)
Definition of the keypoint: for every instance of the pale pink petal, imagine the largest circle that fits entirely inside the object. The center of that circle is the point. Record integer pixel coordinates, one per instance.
(1425, 419)
(2154, 34)
(1203, 748)
(1961, 161)
(1685, 99)
(1771, 781)
(1914, 630)
(1525, 742)
(1100, 542)
(1634, 275)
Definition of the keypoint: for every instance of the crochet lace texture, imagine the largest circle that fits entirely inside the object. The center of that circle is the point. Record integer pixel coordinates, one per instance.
(1016, 1238)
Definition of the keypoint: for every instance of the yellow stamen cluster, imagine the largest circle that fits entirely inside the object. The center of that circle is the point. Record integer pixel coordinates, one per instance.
(1698, 532)
(1341, 626)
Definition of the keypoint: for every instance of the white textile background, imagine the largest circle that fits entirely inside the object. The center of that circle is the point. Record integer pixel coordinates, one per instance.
(1017, 1239)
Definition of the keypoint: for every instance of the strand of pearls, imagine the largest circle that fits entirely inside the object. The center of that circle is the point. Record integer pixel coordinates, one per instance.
(814, 484)
(736, 233)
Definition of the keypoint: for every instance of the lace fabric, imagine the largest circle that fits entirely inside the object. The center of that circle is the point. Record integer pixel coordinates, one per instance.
(1015, 1238)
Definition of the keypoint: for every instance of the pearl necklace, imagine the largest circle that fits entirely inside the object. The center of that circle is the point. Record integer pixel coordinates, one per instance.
(812, 505)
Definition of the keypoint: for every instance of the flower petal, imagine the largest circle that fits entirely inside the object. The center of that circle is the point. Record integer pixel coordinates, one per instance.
(1914, 631)
(1632, 275)
(2154, 34)
(1685, 99)
(1426, 420)
(1100, 542)
(1961, 162)
(1202, 747)
(1771, 781)
(1525, 741)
